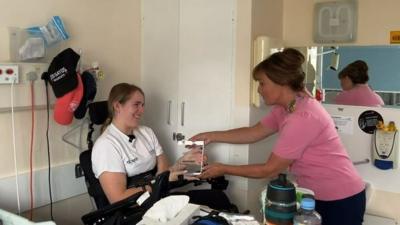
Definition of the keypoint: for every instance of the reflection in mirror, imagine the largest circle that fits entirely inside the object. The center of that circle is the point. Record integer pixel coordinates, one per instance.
(324, 63)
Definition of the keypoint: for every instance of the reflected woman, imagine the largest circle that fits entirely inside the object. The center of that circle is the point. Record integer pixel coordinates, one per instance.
(353, 79)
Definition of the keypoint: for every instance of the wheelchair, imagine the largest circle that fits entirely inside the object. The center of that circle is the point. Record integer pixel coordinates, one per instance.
(128, 211)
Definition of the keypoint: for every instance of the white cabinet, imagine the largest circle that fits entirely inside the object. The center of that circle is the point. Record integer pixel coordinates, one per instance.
(188, 69)
(160, 22)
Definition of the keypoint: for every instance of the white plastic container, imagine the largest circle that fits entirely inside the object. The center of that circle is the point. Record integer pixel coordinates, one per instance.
(307, 215)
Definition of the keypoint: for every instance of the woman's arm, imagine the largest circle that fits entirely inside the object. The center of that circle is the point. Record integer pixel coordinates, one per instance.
(114, 186)
(162, 163)
(271, 168)
(243, 135)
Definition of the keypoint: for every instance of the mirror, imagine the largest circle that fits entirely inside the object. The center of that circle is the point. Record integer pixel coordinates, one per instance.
(383, 69)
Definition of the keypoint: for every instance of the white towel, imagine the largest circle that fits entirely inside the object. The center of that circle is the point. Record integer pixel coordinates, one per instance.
(167, 208)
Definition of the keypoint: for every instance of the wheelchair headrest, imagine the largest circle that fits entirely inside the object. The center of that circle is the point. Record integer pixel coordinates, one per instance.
(98, 112)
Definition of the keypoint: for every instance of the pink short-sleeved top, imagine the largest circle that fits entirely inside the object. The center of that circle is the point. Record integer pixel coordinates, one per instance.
(309, 137)
(361, 95)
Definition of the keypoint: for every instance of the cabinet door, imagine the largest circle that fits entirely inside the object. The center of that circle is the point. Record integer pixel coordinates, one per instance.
(187, 68)
(160, 67)
(206, 53)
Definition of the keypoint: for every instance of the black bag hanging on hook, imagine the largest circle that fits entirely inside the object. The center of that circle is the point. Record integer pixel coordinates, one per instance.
(89, 92)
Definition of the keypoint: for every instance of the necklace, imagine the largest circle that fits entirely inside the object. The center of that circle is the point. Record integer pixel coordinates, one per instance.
(291, 106)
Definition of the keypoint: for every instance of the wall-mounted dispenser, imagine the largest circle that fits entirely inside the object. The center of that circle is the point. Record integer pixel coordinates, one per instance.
(263, 47)
(334, 61)
(385, 146)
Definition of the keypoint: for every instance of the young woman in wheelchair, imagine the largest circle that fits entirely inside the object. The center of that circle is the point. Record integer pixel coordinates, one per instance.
(126, 148)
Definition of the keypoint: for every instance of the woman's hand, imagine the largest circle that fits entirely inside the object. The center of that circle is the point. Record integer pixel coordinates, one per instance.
(212, 170)
(174, 175)
(206, 137)
(147, 188)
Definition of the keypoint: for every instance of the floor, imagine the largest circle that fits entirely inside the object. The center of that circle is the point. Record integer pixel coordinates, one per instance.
(376, 220)
(66, 212)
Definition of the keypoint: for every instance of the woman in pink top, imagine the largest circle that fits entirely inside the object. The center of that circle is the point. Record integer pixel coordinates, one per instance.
(308, 143)
(353, 79)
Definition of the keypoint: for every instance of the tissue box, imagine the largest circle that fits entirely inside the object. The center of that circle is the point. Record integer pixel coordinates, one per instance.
(183, 218)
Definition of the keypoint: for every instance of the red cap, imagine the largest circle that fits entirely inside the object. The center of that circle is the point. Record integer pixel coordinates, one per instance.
(66, 105)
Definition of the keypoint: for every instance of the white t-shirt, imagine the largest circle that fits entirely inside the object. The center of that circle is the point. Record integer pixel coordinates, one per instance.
(112, 151)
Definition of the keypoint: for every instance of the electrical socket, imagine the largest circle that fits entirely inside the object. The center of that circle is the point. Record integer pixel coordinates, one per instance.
(27, 71)
(8, 73)
(78, 171)
(31, 76)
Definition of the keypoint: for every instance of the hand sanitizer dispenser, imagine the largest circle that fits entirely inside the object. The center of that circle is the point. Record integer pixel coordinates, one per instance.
(385, 146)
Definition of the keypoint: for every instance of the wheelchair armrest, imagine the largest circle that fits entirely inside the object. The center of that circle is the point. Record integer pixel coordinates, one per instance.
(179, 183)
(160, 189)
(218, 183)
(128, 206)
(108, 211)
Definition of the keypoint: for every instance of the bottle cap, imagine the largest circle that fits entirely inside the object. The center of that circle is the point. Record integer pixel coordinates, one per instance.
(307, 203)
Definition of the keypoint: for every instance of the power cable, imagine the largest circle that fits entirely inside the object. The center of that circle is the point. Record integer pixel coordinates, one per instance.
(14, 147)
(31, 151)
(48, 151)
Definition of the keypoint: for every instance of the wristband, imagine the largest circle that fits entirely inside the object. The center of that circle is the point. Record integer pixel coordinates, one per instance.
(144, 188)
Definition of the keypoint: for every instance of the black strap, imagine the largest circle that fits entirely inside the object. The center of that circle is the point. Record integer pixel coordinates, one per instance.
(89, 140)
(141, 179)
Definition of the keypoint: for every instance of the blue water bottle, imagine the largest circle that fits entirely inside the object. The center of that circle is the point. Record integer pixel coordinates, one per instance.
(307, 215)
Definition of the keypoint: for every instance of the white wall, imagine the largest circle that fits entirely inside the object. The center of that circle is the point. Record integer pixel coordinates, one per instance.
(266, 20)
(106, 31)
(375, 20)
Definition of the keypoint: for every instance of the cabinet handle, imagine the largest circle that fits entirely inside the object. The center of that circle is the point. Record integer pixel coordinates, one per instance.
(178, 136)
(169, 112)
(183, 113)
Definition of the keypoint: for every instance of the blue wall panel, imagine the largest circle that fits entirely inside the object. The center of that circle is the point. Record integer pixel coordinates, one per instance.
(383, 63)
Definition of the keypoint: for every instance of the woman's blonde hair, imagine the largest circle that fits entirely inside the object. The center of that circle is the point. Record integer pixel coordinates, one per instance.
(119, 93)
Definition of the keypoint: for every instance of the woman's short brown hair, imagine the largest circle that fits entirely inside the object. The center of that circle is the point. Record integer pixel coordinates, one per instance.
(356, 71)
(284, 68)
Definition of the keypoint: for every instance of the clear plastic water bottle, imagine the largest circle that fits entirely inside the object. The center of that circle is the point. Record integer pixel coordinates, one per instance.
(307, 215)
